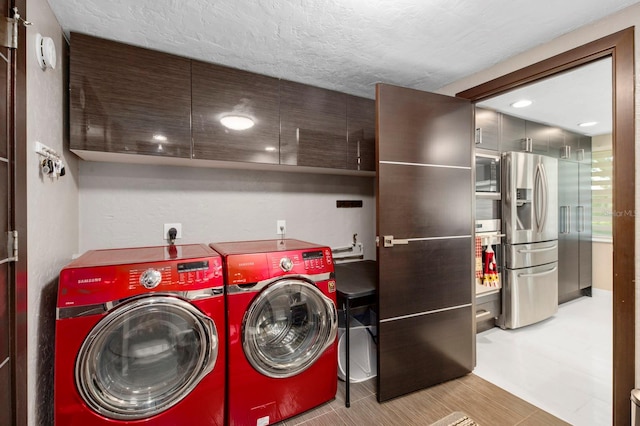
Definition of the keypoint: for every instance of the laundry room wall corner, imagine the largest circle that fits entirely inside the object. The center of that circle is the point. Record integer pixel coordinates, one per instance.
(52, 207)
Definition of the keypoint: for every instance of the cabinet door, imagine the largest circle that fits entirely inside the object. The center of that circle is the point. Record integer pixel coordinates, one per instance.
(572, 144)
(558, 140)
(513, 133)
(219, 92)
(539, 135)
(313, 126)
(568, 236)
(128, 99)
(584, 154)
(361, 133)
(583, 212)
(487, 128)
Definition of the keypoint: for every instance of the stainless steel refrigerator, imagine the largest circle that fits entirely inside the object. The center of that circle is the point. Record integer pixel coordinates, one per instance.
(530, 222)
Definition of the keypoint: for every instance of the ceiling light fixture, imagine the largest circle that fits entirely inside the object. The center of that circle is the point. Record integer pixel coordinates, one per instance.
(521, 103)
(237, 122)
(270, 149)
(588, 124)
(160, 138)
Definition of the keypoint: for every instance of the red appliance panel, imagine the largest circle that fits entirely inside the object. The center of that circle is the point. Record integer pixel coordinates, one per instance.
(93, 285)
(252, 268)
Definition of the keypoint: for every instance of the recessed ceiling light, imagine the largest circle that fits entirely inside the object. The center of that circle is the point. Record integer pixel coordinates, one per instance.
(237, 122)
(521, 103)
(588, 124)
(270, 149)
(160, 138)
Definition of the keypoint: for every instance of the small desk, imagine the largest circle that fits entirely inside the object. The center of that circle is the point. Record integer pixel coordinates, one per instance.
(356, 285)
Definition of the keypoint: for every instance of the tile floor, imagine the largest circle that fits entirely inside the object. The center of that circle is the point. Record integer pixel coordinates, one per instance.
(482, 401)
(562, 365)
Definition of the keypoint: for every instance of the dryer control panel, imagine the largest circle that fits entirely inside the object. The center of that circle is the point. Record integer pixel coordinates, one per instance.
(251, 268)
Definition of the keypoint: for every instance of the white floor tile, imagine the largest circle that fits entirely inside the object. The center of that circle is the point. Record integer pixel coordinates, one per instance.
(562, 365)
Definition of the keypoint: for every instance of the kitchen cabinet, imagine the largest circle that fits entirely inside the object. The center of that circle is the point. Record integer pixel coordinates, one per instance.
(512, 133)
(487, 129)
(361, 133)
(130, 100)
(127, 99)
(574, 230)
(313, 126)
(564, 144)
(219, 91)
(539, 134)
(585, 150)
(488, 308)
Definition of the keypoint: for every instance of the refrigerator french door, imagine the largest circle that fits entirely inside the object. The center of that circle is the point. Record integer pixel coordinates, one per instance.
(424, 192)
(530, 222)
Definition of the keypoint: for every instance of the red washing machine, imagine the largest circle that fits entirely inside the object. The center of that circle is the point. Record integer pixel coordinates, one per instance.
(140, 338)
(282, 323)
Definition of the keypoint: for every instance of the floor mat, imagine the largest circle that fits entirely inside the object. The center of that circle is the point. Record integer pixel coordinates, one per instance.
(457, 418)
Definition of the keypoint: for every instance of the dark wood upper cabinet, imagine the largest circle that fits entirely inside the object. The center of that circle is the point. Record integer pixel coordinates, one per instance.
(313, 126)
(361, 133)
(487, 129)
(128, 99)
(219, 91)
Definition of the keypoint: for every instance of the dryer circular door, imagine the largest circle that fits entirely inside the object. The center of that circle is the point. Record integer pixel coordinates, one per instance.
(145, 356)
(287, 328)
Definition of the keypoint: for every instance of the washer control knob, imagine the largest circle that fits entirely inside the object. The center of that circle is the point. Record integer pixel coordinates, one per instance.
(150, 278)
(286, 264)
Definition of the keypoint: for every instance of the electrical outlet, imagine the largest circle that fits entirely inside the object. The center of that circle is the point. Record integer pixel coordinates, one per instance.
(281, 227)
(167, 226)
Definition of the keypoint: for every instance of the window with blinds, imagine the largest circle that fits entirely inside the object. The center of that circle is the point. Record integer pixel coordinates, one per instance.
(601, 191)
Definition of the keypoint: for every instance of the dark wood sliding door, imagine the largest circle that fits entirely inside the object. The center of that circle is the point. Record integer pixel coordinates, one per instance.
(425, 251)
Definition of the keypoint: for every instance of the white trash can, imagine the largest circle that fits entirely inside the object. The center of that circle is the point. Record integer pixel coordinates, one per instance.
(362, 355)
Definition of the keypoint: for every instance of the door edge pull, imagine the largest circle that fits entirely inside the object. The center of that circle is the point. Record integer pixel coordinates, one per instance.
(389, 241)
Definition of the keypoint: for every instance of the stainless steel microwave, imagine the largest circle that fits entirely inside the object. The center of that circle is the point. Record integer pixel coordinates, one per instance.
(487, 172)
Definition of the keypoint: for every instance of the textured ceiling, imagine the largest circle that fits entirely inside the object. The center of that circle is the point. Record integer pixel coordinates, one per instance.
(346, 45)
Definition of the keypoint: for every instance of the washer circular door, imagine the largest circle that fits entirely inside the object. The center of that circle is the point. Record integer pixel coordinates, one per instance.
(288, 327)
(145, 356)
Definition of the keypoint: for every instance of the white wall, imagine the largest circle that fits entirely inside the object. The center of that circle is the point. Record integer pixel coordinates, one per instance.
(125, 205)
(625, 19)
(52, 211)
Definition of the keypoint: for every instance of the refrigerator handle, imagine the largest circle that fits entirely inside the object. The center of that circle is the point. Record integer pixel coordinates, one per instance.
(545, 196)
(540, 196)
(567, 213)
(563, 220)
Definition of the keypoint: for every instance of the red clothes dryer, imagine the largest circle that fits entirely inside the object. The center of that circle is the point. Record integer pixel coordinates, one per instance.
(140, 338)
(282, 324)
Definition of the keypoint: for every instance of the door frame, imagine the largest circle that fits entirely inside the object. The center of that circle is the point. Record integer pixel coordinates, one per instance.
(19, 293)
(620, 47)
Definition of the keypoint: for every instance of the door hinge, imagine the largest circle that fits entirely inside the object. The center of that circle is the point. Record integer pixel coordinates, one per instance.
(9, 29)
(12, 246)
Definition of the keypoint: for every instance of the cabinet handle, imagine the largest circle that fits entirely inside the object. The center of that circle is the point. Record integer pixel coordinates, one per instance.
(580, 209)
(482, 314)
